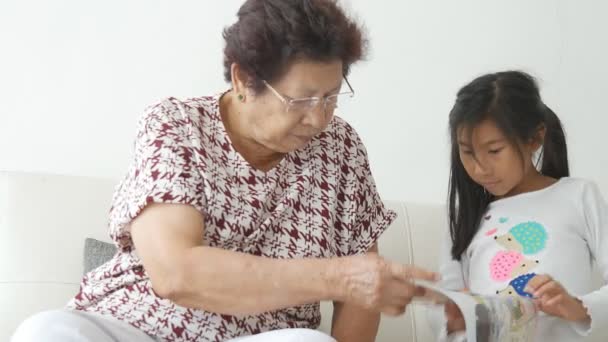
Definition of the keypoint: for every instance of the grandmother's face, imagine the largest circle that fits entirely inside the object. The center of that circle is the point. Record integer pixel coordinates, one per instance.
(283, 128)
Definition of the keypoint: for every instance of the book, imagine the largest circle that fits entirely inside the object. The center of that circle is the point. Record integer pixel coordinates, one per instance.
(497, 318)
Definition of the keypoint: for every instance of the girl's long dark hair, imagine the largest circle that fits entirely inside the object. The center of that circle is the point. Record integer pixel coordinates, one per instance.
(512, 100)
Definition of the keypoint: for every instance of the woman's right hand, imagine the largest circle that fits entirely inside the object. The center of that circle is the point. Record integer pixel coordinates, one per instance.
(375, 283)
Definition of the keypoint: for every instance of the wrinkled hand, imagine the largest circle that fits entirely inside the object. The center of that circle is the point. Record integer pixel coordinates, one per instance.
(552, 298)
(375, 283)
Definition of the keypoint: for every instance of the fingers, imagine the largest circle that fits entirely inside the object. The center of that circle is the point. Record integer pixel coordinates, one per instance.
(555, 300)
(402, 292)
(545, 288)
(455, 319)
(431, 296)
(395, 310)
(452, 311)
(408, 272)
(420, 273)
(420, 291)
(549, 294)
(398, 296)
(551, 289)
(391, 288)
(536, 282)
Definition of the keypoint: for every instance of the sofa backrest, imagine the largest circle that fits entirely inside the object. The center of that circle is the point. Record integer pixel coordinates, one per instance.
(45, 219)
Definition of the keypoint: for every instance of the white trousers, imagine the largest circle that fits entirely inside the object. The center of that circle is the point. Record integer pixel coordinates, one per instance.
(72, 326)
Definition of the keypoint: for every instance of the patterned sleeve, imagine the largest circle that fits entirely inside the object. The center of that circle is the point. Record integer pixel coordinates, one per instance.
(357, 232)
(164, 169)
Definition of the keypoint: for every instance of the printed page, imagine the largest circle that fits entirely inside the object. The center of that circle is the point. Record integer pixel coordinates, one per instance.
(489, 318)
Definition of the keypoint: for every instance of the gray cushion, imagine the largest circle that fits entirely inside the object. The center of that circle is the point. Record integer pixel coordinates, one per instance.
(96, 253)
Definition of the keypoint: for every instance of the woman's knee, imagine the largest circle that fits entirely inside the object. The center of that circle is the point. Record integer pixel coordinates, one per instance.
(301, 335)
(51, 326)
(289, 335)
(35, 326)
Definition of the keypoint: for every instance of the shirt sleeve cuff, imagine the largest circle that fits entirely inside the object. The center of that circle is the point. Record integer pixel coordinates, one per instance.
(596, 311)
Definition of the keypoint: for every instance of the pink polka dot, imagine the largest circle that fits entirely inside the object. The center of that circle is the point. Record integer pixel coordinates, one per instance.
(503, 264)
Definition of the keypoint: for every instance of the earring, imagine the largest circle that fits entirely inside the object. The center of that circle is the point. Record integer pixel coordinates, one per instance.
(241, 97)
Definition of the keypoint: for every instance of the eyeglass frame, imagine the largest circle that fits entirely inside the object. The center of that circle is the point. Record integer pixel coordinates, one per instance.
(288, 101)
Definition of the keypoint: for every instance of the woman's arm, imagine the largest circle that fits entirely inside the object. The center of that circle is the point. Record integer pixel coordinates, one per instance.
(169, 240)
(354, 323)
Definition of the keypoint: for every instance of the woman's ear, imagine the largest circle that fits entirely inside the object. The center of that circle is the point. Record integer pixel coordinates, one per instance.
(239, 81)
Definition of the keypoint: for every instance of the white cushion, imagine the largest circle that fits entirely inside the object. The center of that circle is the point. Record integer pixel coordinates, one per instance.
(44, 220)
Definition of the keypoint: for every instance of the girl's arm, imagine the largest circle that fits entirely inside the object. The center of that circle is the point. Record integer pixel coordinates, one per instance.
(596, 218)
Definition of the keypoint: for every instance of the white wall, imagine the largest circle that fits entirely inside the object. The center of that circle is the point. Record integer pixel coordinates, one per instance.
(75, 75)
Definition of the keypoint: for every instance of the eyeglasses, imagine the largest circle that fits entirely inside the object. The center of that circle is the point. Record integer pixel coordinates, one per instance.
(304, 105)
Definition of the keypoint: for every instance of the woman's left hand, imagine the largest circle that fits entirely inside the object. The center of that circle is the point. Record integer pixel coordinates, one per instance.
(553, 299)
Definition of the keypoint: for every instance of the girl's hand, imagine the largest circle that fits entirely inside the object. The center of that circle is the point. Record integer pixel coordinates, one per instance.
(551, 298)
(454, 317)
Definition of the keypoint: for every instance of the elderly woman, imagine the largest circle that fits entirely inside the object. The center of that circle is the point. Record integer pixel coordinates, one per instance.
(243, 210)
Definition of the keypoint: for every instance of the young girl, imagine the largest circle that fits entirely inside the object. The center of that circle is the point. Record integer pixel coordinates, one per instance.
(519, 226)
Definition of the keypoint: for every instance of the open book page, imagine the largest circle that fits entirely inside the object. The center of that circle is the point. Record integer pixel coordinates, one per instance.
(489, 318)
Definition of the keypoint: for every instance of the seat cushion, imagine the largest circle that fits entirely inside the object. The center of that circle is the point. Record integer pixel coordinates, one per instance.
(96, 253)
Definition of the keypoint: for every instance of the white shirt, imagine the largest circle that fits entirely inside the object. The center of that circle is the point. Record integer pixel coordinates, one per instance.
(557, 231)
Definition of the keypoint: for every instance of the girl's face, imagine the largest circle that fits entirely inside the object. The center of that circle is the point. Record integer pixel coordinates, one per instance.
(492, 161)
